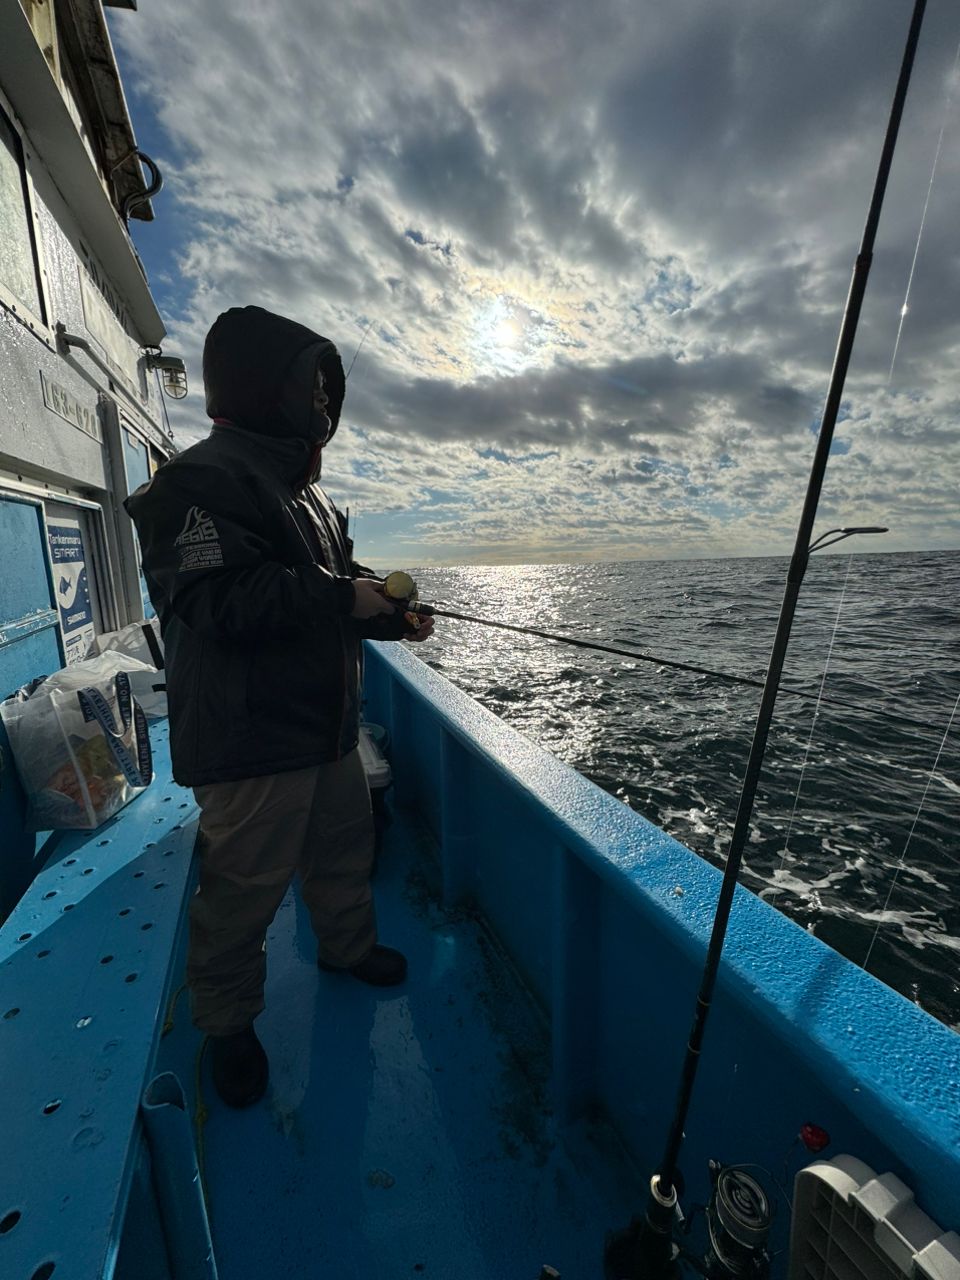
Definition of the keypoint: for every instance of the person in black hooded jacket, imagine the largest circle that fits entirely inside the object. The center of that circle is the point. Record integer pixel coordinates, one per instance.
(262, 609)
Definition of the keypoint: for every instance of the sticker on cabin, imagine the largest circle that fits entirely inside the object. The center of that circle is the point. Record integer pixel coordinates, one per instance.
(69, 407)
(72, 588)
(199, 542)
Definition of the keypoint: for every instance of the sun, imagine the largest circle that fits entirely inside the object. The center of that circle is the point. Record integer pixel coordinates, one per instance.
(498, 336)
(505, 332)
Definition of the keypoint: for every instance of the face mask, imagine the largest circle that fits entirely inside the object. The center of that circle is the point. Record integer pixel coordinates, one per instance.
(314, 466)
(323, 427)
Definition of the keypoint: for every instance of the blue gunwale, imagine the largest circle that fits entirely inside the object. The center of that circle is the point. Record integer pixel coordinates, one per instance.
(868, 1064)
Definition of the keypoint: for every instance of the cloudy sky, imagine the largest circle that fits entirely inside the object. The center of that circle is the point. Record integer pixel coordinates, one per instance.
(596, 255)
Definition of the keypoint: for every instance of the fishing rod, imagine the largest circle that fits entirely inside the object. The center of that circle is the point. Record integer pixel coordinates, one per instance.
(401, 589)
(359, 348)
(646, 1250)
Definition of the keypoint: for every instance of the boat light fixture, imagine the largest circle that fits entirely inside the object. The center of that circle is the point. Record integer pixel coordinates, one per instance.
(173, 372)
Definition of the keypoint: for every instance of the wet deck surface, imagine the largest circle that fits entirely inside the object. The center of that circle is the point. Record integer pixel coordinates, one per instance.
(405, 1132)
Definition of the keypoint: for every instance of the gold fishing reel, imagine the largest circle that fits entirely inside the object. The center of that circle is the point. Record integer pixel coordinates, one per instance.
(399, 587)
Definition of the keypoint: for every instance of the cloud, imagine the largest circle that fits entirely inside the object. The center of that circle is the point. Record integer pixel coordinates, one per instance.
(596, 255)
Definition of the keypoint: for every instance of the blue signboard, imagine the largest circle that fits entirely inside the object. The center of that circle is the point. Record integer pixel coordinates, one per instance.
(72, 588)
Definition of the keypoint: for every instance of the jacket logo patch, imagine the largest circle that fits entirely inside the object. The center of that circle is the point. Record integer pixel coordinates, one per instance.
(199, 542)
(198, 527)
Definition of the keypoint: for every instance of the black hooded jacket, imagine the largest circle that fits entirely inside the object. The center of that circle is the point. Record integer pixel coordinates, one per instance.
(249, 567)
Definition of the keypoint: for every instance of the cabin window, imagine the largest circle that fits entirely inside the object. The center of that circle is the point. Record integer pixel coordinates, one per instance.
(136, 461)
(19, 277)
(55, 595)
(28, 614)
(29, 647)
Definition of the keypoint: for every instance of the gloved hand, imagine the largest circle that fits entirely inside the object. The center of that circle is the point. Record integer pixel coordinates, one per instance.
(369, 599)
(399, 626)
(424, 629)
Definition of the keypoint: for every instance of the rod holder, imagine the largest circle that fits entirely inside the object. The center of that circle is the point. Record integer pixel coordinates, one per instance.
(176, 1180)
(646, 1249)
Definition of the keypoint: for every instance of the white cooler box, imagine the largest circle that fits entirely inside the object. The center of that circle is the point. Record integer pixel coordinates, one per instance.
(375, 766)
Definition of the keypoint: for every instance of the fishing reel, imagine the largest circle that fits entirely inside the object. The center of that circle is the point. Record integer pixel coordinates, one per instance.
(401, 590)
(738, 1218)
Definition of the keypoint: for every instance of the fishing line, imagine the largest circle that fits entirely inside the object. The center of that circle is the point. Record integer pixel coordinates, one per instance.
(951, 80)
(359, 349)
(638, 656)
(813, 726)
(646, 1249)
(903, 857)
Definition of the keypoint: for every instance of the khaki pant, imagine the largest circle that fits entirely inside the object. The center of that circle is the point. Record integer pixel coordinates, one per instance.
(256, 835)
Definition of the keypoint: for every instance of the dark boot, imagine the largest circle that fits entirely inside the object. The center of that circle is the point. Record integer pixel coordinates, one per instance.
(240, 1068)
(383, 967)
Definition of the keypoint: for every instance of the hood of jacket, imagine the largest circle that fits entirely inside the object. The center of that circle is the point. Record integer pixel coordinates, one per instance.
(259, 371)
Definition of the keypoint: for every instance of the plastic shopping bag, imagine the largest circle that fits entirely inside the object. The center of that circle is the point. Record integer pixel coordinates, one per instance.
(80, 743)
(141, 640)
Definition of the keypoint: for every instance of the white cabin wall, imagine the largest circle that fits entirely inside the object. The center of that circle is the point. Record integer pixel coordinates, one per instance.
(33, 436)
(75, 437)
(32, 445)
(59, 411)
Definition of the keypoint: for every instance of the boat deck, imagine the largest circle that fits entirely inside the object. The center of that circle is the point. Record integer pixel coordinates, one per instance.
(405, 1132)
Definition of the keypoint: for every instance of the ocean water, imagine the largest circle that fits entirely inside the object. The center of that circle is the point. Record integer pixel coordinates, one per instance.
(855, 828)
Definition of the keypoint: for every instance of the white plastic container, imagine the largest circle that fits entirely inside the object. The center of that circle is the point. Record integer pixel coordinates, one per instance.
(850, 1223)
(375, 766)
